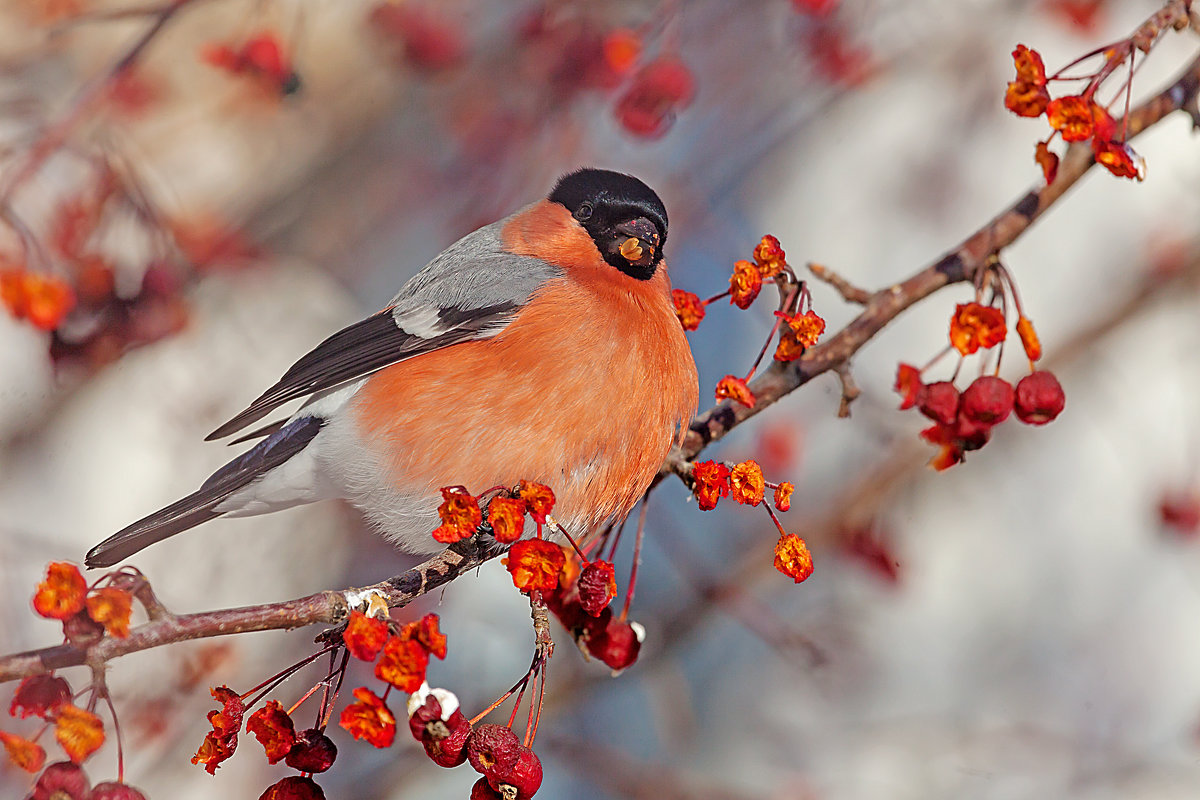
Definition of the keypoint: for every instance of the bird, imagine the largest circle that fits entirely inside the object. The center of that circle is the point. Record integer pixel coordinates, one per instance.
(542, 347)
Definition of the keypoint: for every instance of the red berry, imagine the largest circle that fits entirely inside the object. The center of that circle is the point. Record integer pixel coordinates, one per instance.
(446, 742)
(312, 752)
(81, 630)
(493, 750)
(1040, 398)
(61, 781)
(596, 586)
(939, 401)
(115, 791)
(429, 711)
(988, 400)
(293, 787)
(39, 695)
(525, 777)
(659, 89)
(616, 643)
(969, 434)
(482, 790)
(426, 40)
(566, 607)
(1180, 511)
(444, 736)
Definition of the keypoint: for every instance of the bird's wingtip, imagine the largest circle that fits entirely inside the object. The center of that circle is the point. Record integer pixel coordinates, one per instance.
(95, 558)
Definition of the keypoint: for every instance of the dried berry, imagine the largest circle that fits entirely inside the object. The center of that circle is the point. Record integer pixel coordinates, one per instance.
(274, 730)
(746, 483)
(482, 790)
(61, 594)
(293, 787)
(39, 695)
(24, 753)
(939, 401)
(403, 664)
(689, 309)
(493, 750)
(710, 482)
(446, 742)
(523, 780)
(312, 752)
(115, 791)
(364, 636)
(1040, 398)
(793, 558)
(81, 630)
(616, 643)
(61, 781)
(534, 564)
(597, 586)
(437, 722)
(988, 400)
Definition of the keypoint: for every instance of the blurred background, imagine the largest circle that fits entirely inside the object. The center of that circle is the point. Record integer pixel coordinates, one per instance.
(1023, 624)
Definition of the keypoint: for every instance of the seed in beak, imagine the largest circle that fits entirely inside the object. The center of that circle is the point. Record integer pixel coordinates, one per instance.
(631, 249)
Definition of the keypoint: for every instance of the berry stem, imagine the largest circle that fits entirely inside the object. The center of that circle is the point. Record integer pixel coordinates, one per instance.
(279, 677)
(938, 357)
(500, 701)
(637, 556)
(789, 303)
(341, 675)
(774, 518)
(102, 690)
(541, 701)
(616, 540)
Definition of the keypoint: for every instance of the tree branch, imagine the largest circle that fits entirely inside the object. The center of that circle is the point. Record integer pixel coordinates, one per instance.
(329, 608)
(959, 265)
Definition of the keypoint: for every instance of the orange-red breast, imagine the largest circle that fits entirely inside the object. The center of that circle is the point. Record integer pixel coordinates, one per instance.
(542, 347)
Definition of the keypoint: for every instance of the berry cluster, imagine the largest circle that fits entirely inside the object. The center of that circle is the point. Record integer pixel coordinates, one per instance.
(582, 604)
(1080, 117)
(797, 330)
(461, 516)
(579, 596)
(87, 614)
(963, 421)
(799, 327)
(745, 483)
(73, 280)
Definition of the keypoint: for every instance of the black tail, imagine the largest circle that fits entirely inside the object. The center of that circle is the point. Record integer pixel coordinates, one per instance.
(199, 506)
(175, 518)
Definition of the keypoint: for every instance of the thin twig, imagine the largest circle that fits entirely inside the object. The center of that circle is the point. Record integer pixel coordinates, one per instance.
(849, 292)
(850, 390)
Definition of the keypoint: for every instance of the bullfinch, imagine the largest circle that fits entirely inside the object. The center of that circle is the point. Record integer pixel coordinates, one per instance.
(543, 347)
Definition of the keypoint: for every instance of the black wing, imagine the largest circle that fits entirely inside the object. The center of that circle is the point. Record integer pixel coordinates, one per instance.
(365, 347)
(200, 505)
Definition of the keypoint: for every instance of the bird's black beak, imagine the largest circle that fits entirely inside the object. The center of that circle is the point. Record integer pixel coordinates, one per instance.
(636, 241)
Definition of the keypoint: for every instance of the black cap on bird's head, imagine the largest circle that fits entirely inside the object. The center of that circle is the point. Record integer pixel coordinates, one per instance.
(624, 217)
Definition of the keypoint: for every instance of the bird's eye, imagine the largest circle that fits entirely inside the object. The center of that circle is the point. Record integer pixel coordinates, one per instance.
(584, 212)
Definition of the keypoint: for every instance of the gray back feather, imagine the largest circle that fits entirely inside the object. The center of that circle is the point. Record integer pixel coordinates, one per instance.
(475, 272)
